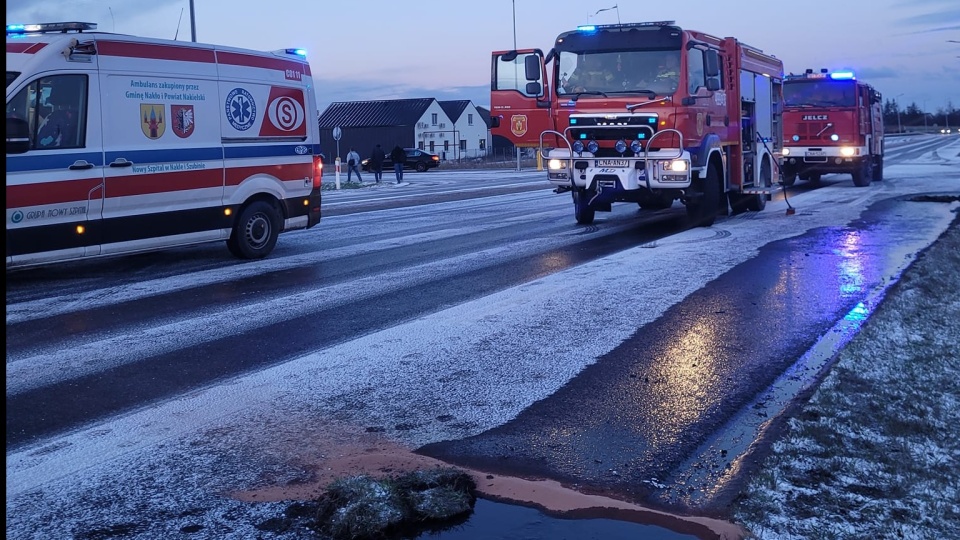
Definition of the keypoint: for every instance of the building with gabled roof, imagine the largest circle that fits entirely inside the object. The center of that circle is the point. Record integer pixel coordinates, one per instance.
(423, 123)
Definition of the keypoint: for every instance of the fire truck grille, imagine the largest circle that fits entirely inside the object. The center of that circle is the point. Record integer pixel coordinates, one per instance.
(808, 131)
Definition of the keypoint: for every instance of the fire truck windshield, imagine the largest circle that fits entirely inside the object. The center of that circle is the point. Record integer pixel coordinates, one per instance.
(819, 93)
(609, 72)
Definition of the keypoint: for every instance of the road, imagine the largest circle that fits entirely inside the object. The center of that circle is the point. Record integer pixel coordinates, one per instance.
(463, 314)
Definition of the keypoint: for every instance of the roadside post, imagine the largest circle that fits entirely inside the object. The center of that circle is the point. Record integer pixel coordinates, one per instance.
(337, 133)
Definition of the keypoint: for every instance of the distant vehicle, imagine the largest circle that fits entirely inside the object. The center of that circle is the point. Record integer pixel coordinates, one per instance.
(417, 160)
(832, 123)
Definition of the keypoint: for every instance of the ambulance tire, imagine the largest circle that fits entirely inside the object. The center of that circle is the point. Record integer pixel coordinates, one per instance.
(702, 211)
(878, 169)
(581, 210)
(255, 231)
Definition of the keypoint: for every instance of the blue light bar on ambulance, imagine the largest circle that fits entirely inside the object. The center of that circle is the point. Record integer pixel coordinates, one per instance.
(46, 28)
(842, 75)
(298, 52)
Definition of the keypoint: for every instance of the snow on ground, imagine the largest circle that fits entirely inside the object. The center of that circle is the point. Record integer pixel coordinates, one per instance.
(875, 453)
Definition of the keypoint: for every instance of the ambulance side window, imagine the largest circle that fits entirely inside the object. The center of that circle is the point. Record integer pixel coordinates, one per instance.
(55, 110)
(63, 106)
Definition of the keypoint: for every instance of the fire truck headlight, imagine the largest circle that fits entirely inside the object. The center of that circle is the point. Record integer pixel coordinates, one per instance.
(795, 138)
(846, 151)
(621, 146)
(678, 165)
(786, 151)
(834, 137)
(593, 146)
(635, 146)
(556, 164)
(578, 146)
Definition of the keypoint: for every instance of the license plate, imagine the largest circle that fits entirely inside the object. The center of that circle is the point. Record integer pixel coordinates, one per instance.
(816, 153)
(611, 163)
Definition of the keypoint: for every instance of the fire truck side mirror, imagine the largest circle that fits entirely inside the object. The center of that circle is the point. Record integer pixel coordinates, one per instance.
(531, 66)
(713, 84)
(533, 89)
(711, 63)
(494, 121)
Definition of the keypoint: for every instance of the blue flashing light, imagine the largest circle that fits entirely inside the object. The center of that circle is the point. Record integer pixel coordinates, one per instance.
(573, 121)
(583, 135)
(842, 75)
(641, 135)
(298, 52)
(651, 120)
(16, 28)
(587, 28)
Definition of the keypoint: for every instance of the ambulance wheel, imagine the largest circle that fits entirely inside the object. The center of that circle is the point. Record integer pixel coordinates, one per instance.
(756, 203)
(878, 169)
(702, 208)
(581, 210)
(255, 231)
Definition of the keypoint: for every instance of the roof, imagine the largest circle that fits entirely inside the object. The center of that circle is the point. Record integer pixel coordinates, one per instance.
(485, 115)
(454, 108)
(395, 112)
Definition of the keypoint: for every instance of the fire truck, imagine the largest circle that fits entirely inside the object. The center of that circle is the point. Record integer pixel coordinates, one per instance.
(832, 123)
(646, 113)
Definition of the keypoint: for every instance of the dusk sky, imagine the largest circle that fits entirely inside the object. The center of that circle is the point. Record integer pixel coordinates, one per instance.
(382, 49)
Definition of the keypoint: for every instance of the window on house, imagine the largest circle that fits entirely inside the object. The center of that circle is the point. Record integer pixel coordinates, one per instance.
(446, 144)
(483, 144)
(433, 147)
(420, 145)
(469, 119)
(433, 118)
(463, 145)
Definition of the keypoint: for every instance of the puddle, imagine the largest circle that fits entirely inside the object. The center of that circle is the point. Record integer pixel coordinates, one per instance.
(493, 520)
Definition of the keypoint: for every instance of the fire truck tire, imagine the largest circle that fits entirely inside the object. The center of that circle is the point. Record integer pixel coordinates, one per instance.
(581, 210)
(756, 203)
(789, 177)
(656, 202)
(863, 174)
(878, 169)
(256, 230)
(702, 210)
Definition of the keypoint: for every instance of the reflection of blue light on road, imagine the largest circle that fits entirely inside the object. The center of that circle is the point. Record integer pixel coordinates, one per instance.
(851, 268)
(858, 314)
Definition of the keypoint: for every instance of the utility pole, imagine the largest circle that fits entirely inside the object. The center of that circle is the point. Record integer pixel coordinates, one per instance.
(193, 24)
(515, 65)
(897, 102)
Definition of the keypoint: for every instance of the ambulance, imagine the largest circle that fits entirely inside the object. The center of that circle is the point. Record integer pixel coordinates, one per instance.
(119, 144)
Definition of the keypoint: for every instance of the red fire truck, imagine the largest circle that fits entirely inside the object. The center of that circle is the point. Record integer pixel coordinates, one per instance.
(647, 113)
(832, 123)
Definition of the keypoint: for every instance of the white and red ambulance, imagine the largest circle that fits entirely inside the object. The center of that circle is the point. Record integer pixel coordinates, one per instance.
(120, 144)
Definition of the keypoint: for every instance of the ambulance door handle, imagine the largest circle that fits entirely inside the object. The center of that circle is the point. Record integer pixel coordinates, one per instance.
(120, 162)
(80, 165)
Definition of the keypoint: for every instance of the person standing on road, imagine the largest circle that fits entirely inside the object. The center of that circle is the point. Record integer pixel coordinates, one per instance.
(398, 156)
(353, 165)
(376, 162)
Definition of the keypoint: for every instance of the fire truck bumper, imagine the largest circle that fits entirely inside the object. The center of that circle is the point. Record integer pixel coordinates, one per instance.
(619, 175)
(804, 161)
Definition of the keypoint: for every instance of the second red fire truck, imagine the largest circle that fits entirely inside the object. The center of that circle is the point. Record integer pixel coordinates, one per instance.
(832, 123)
(646, 113)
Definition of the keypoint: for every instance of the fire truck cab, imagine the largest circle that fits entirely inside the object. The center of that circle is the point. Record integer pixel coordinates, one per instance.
(646, 113)
(832, 123)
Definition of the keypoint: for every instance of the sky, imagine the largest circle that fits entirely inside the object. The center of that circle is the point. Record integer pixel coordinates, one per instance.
(381, 49)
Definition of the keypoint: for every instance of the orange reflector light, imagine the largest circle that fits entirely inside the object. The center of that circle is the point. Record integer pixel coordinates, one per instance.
(228, 211)
(81, 229)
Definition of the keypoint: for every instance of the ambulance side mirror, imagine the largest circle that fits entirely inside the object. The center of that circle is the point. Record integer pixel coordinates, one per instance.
(18, 136)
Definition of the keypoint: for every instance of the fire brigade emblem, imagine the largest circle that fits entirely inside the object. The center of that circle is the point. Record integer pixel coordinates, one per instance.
(518, 125)
(151, 120)
(182, 120)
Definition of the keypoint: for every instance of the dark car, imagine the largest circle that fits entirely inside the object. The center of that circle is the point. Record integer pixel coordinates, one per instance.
(417, 160)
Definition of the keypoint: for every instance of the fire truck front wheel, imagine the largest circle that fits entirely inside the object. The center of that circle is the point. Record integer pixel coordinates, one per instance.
(704, 199)
(756, 203)
(255, 231)
(863, 174)
(581, 210)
